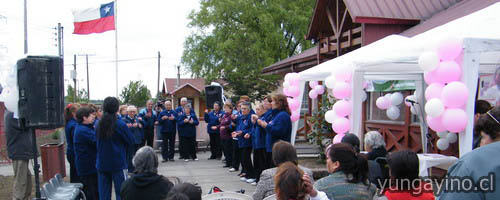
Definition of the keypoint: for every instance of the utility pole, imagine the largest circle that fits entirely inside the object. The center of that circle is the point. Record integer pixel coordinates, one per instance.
(59, 40)
(88, 88)
(25, 27)
(74, 76)
(158, 88)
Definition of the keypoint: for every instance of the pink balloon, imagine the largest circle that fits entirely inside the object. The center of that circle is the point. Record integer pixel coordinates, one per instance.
(433, 91)
(342, 90)
(313, 84)
(313, 94)
(295, 116)
(294, 91)
(454, 120)
(286, 92)
(319, 89)
(449, 48)
(431, 77)
(449, 71)
(293, 103)
(338, 138)
(383, 103)
(294, 78)
(455, 95)
(340, 125)
(365, 84)
(342, 108)
(435, 123)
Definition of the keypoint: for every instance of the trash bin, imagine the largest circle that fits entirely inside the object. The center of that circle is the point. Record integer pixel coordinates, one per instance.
(53, 160)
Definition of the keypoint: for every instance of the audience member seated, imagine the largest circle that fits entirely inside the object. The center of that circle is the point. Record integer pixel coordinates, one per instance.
(282, 152)
(184, 191)
(351, 139)
(481, 107)
(348, 179)
(481, 162)
(145, 183)
(404, 179)
(291, 183)
(377, 163)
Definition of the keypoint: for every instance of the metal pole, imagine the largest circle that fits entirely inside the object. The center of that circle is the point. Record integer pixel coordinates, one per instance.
(25, 27)
(59, 37)
(158, 91)
(36, 166)
(88, 80)
(74, 78)
(116, 47)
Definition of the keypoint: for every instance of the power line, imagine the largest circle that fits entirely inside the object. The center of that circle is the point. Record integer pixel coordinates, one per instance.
(123, 60)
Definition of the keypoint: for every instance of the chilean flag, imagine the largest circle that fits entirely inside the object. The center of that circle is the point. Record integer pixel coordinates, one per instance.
(95, 20)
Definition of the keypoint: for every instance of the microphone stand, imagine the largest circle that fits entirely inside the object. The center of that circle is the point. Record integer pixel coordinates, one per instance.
(425, 129)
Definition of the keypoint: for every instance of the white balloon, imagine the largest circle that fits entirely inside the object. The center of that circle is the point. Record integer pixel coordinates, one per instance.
(330, 81)
(320, 89)
(330, 116)
(364, 96)
(434, 107)
(442, 144)
(442, 134)
(313, 84)
(11, 99)
(396, 98)
(393, 112)
(286, 84)
(451, 137)
(414, 110)
(428, 61)
(388, 95)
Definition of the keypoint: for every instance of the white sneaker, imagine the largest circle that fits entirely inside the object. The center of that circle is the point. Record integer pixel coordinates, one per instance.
(251, 180)
(232, 170)
(243, 179)
(196, 159)
(186, 160)
(254, 183)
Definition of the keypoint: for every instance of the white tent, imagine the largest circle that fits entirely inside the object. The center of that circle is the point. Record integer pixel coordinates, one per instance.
(395, 58)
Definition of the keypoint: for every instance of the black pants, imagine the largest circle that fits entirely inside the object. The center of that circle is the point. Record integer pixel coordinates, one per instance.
(90, 187)
(73, 175)
(227, 146)
(168, 145)
(215, 147)
(236, 155)
(149, 136)
(259, 162)
(246, 162)
(187, 147)
(269, 160)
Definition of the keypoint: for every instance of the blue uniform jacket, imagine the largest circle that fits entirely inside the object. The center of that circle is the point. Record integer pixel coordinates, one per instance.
(259, 134)
(85, 149)
(149, 122)
(212, 119)
(278, 128)
(136, 131)
(69, 131)
(187, 129)
(111, 152)
(167, 125)
(245, 126)
(179, 109)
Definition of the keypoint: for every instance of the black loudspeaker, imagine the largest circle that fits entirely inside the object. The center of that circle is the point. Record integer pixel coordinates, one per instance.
(213, 94)
(41, 91)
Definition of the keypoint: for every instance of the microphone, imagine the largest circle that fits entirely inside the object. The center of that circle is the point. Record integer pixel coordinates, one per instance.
(411, 101)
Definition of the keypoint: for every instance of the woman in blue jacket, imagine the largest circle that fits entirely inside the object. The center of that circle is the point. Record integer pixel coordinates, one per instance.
(187, 122)
(135, 124)
(86, 151)
(69, 130)
(279, 126)
(212, 119)
(168, 126)
(243, 132)
(258, 137)
(113, 139)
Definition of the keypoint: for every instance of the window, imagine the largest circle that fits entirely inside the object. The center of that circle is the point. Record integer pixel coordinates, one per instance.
(376, 114)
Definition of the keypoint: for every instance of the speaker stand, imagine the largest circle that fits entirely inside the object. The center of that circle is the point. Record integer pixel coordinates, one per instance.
(36, 166)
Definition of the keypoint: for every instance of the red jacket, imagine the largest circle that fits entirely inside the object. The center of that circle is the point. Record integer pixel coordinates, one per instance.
(420, 193)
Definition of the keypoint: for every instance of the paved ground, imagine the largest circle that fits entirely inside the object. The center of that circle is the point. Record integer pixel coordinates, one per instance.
(206, 173)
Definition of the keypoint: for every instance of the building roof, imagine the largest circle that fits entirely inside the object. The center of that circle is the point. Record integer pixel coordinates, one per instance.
(170, 83)
(307, 55)
(456, 11)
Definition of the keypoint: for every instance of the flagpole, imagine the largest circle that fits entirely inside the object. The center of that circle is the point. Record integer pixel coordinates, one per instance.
(116, 47)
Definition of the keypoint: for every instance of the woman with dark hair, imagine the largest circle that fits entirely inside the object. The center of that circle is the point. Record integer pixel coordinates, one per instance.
(212, 119)
(85, 151)
(187, 122)
(183, 190)
(292, 183)
(351, 139)
(403, 166)
(348, 177)
(282, 152)
(278, 126)
(113, 139)
(481, 162)
(69, 130)
(225, 134)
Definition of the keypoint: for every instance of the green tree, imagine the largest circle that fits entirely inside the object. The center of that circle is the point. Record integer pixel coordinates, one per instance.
(235, 39)
(136, 93)
(81, 96)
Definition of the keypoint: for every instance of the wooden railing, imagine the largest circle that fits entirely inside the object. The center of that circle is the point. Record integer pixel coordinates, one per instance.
(349, 38)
